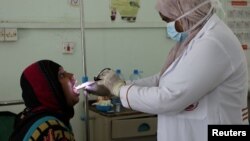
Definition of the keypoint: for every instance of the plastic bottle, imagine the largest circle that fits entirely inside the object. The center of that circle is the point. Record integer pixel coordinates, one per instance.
(135, 75)
(116, 100)
(117, 103)
(119, 74)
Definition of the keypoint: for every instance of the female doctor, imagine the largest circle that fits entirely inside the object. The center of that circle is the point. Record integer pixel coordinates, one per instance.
(204, 80)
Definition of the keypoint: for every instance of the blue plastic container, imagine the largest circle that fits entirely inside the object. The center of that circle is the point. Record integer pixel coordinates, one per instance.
(104, 108)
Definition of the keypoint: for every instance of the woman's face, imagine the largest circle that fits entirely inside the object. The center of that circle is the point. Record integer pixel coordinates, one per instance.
(178, 25)
(68, 83)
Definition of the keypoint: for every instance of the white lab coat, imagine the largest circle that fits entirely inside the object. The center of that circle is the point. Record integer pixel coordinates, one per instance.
(211, 74)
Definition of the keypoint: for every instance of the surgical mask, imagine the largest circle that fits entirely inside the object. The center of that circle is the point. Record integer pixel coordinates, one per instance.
(181, 36)
(173, 34)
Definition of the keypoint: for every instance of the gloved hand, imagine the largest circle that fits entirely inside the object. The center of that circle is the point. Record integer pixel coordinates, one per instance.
(110, 80)
(99, 90)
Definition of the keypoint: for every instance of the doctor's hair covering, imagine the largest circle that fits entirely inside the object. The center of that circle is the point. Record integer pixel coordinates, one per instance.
(176, 8)
(173, 9)
(41, 88)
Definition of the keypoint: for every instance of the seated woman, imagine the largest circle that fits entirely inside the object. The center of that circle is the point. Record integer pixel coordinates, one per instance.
(49, 95)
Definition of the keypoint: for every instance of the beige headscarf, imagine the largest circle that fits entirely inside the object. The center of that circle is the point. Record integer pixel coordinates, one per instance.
(176, 8)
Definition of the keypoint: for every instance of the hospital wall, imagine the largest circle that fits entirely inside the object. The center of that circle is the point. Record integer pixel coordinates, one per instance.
(43, 27)
(125, 47)
(142, 45)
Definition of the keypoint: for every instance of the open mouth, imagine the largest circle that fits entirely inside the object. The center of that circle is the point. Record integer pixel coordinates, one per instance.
(75, 90)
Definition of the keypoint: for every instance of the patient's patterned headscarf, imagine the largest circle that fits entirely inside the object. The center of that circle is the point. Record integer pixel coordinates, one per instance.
(41, 89)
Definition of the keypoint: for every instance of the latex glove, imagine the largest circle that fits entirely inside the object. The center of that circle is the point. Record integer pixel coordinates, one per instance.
(109, 79)
(95, 89)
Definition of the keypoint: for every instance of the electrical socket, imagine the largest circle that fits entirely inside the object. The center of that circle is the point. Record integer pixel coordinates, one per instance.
(74, 2)
(68, 47)
(1, 34)
(10, 34)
